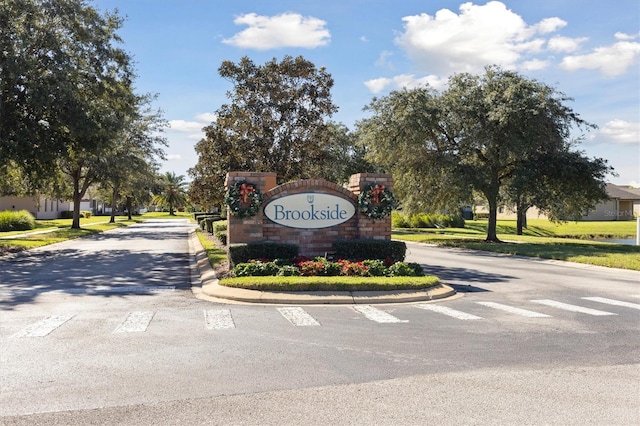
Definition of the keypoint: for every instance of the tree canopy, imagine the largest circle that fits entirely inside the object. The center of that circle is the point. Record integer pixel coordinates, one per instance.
(277, 120)
(67, 98)
(481, 134)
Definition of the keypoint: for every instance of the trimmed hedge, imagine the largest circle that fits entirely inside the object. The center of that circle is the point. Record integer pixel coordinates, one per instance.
(331, 283)
(242, 253)
(392, 251)
(68, 214)
(20, 220)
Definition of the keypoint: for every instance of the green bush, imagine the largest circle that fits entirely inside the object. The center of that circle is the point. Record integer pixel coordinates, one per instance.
(288, 271)
(387, 250)
(426, 220)
(20, 220)
(220, 231)
(68, 214)
(398, 220)
(255, 269)
(377, 268)
(241, 253)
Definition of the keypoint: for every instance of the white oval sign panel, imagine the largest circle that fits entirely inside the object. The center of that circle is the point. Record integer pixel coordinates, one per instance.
(309, 210)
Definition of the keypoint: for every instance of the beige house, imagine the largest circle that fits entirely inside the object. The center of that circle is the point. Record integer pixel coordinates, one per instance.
(40, 207)
(623, 204)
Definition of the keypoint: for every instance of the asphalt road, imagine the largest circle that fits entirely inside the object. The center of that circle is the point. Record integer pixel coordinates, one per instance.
(107, 331)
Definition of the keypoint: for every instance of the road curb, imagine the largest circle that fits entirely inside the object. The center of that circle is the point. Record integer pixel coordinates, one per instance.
(210, 287)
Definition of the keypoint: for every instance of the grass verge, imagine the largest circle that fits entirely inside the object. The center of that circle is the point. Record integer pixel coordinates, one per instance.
(331, 283)
(59, 235)
(215, 254)
(573, 250)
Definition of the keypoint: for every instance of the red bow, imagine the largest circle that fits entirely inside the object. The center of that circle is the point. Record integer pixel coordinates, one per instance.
(376, 192)
(245, 190)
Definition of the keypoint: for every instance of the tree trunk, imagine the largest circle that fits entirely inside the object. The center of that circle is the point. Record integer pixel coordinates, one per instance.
(522, 219)
(492, 198)
(77, 199)
(129, 206)
(114, 204)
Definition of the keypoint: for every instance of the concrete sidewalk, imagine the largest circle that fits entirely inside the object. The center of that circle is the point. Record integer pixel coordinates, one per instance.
(210, 289)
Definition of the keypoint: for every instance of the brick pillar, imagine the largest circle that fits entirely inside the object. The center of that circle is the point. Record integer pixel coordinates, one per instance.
(369, 228)
(248, 229)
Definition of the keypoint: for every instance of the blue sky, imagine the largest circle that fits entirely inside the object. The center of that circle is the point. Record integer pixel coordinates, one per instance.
(587, 49)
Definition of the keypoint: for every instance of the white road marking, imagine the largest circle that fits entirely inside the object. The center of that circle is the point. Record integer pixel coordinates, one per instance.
(219, 319)
(377, 315)
(613, 302)
(512, 310)
(94, 290)
(572, 308)
(44, 327)
(135, 322)
(448, 311)
(298, 316)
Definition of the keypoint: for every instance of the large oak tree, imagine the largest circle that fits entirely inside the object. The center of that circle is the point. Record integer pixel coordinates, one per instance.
(479, 135)
(276, 121)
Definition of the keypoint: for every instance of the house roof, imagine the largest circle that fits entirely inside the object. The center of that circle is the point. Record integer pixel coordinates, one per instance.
(623, 192)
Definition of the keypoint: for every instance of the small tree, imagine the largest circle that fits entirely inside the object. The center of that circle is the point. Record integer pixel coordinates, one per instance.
(173, 193)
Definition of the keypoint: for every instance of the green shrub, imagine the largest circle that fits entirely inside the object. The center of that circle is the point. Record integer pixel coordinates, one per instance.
(400, 269)
(20, 220)
(387, 250)
(319, 266)
(240, 253)
(255, 269)
(398, 220)
(288, 271)
(377, 268)
(220, 231)
(68, 214)
(426, 220)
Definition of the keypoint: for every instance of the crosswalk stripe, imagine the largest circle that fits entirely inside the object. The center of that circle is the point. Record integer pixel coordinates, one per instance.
(44, 327)
(613, 302)
(448, 311)
(512, 310)
(135, 322)
(219, 319)
(298, 316)
(572, 308)
(377, 315)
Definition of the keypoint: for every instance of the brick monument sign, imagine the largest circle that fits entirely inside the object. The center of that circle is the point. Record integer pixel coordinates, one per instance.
(310, 213)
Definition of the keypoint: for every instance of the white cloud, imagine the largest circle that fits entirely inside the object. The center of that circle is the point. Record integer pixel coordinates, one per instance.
(623, 36)
(447, 42)
(565, 44)
(285, 30)
(408, 81)
(610, 60)
(192, 129)
(173, 157)
(534, 65)
(383, 59)
(207, 117)
(185, 126)
(621, 132)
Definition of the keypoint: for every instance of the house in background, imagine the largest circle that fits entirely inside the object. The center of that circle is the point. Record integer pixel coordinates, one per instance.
(39, 206)
(623, 204)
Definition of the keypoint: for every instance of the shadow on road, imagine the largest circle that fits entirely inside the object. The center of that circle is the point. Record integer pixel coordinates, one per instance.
(141, 257)
(464, 280)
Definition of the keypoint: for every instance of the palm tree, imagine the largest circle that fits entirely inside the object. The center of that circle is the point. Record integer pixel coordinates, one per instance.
(174, 192)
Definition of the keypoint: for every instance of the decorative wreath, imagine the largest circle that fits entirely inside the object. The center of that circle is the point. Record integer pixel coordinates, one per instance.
(244, 199)
(376, 201)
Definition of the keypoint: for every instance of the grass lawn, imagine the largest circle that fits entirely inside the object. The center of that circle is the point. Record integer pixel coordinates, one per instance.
(542, 239)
